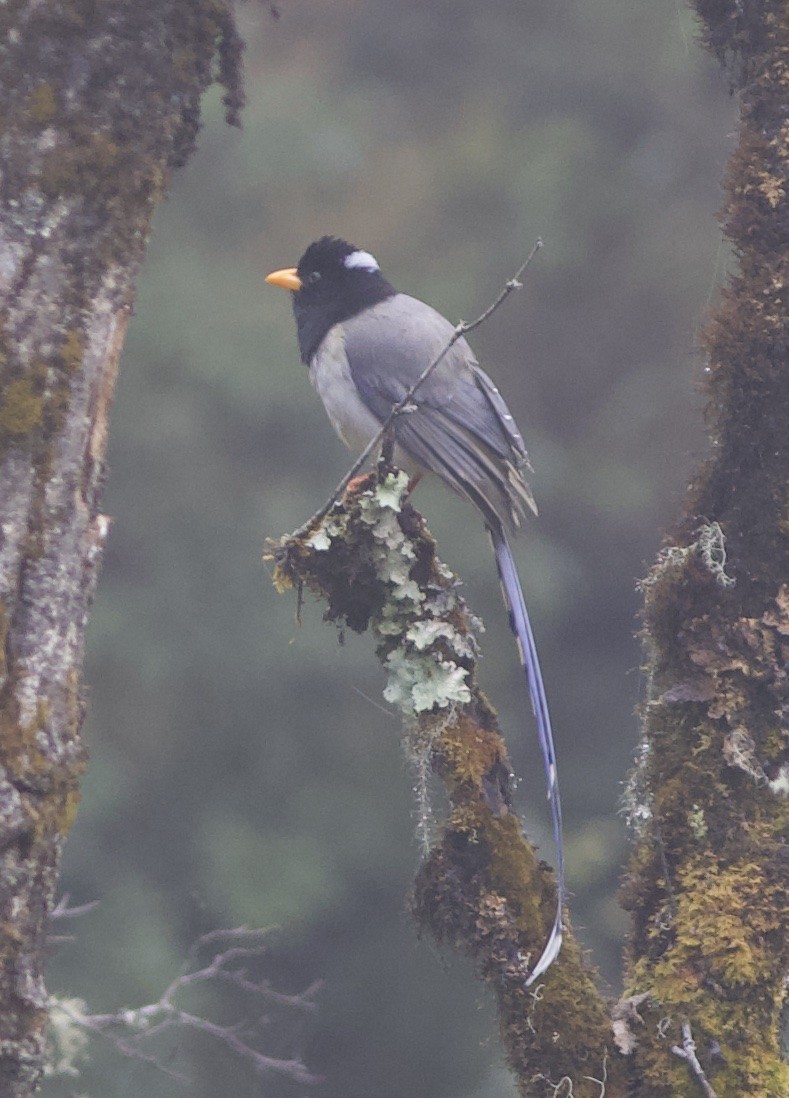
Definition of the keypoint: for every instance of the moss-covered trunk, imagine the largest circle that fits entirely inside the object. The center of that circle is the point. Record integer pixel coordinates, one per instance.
(100, 103)
(709, 880)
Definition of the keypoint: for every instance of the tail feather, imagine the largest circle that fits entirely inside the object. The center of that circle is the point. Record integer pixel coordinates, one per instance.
(521, 627)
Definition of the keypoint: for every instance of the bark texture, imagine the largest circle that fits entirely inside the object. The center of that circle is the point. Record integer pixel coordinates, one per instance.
(709, 879)
(100, 104)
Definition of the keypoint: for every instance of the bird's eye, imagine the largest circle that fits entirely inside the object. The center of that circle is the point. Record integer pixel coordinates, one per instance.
(311, 279)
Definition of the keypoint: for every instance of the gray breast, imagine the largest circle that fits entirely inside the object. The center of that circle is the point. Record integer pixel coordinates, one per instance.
(350, 417)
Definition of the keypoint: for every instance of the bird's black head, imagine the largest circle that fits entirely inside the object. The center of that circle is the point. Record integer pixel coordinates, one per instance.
(334, 280)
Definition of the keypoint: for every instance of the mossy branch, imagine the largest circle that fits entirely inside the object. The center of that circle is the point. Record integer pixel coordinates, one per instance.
(481, 887)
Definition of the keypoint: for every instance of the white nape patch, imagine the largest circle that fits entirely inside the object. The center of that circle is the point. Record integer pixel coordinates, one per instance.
(361, 260)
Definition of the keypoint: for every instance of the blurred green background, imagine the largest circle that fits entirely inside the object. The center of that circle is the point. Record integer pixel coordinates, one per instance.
(245, 770)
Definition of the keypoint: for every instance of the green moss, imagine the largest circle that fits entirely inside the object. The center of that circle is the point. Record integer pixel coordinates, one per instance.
(20, 408)
(88, 164)
(725, 918)
(480, 890)
(515, 873)
(42, 104)
(65, 812)
(18, 747)
(72, 350)
(41, 398)
(34, 768)
(470, 752)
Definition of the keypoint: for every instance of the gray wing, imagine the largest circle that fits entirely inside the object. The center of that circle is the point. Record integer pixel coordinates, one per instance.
(461, 428)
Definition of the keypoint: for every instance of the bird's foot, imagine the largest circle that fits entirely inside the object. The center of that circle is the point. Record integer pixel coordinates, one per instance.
(357, 484)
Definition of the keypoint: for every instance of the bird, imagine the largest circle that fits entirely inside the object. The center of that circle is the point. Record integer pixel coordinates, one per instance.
(365, 345)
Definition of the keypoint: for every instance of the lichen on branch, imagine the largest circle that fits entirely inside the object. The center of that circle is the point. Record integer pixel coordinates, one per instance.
(480, 888)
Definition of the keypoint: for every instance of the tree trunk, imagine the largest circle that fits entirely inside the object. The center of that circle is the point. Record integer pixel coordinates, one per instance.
(710, 876)
(101, 102)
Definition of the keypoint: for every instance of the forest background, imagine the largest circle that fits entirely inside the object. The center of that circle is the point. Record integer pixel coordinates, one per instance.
(243, 769)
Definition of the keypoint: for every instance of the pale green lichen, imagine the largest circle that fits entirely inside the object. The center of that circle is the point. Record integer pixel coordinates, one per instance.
(423, 649)
(322, 538)
(711, 546)
(392, 491)
(420, 681)
(779, 785)
(395, 554)
(424, 633)
(320, 541)
(422, 673)
(697, 823)
(390, 622)
(67, 1037)
(389, 494)
(419, 623)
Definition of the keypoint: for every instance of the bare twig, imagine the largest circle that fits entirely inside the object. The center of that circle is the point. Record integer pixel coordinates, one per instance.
(462, 328)
(126, 1029)
(61, 910)
(688, 1052)
(236, 934)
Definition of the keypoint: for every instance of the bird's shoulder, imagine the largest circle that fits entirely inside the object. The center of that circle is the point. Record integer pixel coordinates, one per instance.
(390, 344)
(399, 337)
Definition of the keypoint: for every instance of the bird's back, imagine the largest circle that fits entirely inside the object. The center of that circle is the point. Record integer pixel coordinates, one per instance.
(461, 428)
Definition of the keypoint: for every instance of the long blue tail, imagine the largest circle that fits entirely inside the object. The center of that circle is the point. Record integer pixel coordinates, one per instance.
(521, 627)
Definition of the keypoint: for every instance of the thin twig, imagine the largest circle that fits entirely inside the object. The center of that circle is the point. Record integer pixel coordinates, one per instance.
(61, 910)
(97, 1023)
(142, 1023)
(402, 406)
(688, 1052)
(238, 933)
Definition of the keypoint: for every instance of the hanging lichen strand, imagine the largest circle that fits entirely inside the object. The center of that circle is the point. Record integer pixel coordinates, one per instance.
(709, 879)
(480, 887)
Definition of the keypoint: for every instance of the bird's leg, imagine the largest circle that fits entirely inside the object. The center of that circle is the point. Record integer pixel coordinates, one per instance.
(385, 465)
(387, 448)
(355, 484)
